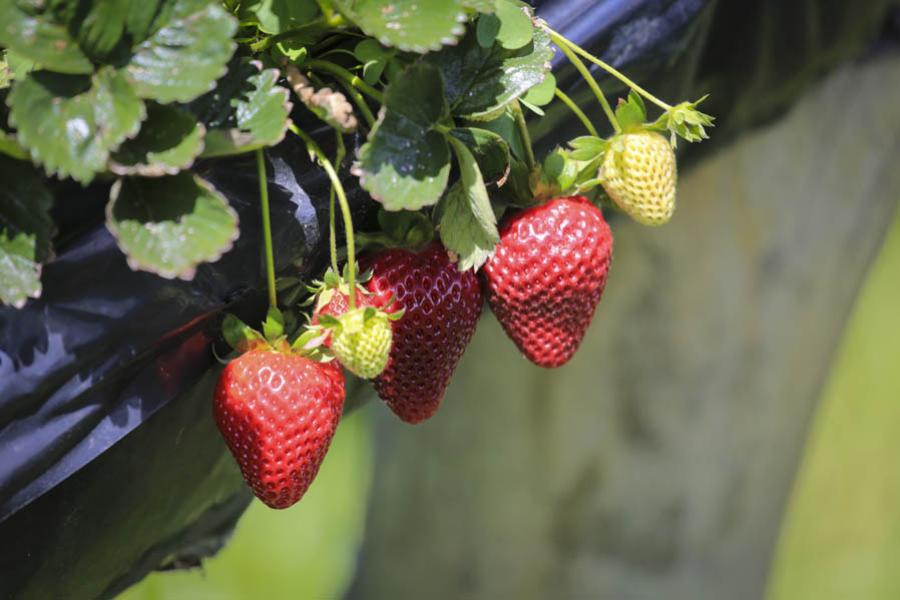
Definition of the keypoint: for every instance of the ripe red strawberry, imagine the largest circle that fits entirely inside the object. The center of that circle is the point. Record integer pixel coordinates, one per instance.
(278, 412)
(442, 308)
(547, 276)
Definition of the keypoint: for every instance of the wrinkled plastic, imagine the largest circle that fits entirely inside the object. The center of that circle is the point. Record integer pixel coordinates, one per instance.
(108, 353)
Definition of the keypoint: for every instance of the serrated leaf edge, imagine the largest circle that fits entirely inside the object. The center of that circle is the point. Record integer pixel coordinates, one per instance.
(190, 272)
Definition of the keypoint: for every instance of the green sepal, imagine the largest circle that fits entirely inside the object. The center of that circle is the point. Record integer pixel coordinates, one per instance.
(631, 113)
(684, 121)
(239, 335)
(329, 321)
(273, 326)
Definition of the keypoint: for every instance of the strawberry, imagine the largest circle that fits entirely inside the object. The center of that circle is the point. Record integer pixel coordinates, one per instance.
(361, 340)
(547, 275)
(639, 174)
(278, 412)
(442, 306)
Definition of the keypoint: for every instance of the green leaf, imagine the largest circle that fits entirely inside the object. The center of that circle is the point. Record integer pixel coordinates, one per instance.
(461, 231)
(505, 126)
(25, 231)
(140, 17)
(486, 29)
(247, 110)
(490, 150)
(10, 147)
(474, 188)
(37, 37)
(481, 82)
(631, 113)
(185, 56)
(169, 225)
(406, 162)
(516, 29)
(18, 65)
(410, 25)
(169, 140)
(278, 16)
(374, 58)
(542, 94)
(6, 74)
(70, 123)
(102, 27)
(482, 6)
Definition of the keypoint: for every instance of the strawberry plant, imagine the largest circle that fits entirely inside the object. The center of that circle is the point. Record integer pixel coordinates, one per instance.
(426, 102)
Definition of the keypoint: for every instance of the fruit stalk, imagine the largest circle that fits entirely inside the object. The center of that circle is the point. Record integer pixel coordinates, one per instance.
(314, 149)
(522, 126)
(576, 111)
(568, 46)
(562, 43)
(267, 226)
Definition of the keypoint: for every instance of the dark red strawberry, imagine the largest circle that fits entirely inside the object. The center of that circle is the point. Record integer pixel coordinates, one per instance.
(442, 308)
(278, 412)
(547, 276)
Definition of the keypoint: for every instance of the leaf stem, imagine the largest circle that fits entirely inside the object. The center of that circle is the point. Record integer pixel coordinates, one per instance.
(562, 43)
(578, 112)
(315, 150)
(267, 226)
(319, 24)
(573, 47)
(354, 80)
(522, 126)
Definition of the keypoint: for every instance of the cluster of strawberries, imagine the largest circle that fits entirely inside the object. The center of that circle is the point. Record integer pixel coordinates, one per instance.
(408, 321)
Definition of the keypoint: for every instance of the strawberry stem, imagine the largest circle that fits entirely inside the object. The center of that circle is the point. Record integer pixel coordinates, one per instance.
(267, 226)
(522, 126)
(332, 235)
(577, 111)
(565, 44)
(315, 150)
(329, 67)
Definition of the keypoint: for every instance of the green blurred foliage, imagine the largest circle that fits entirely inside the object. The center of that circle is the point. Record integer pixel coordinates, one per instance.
(306, 551)
(841, 533)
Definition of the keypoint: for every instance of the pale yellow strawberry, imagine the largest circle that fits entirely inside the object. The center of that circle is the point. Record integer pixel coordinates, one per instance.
(639, 174)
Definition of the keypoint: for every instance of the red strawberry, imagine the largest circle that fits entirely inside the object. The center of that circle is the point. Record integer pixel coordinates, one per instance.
(547, 276)
(278, 412)
(442, 308)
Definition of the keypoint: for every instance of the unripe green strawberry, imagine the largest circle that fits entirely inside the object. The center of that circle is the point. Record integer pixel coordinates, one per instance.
(361, 340)
(639, 174)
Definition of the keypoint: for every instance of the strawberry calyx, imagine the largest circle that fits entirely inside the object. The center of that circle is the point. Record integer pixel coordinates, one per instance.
(409, 230)
(242, 338)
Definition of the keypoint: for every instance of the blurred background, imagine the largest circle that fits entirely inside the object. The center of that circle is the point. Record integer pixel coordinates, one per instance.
(729, 429)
